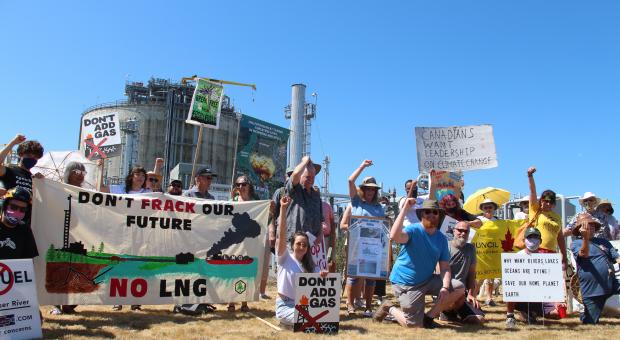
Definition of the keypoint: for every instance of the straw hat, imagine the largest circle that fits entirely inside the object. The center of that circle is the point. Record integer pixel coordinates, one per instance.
(587, 195)
(369, 182)
(606, 201)
(487, 201)
(585, 219)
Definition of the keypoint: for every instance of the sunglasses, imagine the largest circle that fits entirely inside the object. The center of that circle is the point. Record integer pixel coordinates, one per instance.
(488, 207)
(16, 207)
(243, 184)
(153, 180)
(462, 231)
(79, 172)
(431, 212)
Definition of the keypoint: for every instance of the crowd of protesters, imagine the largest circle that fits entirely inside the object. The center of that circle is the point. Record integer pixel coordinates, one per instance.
(428, 262)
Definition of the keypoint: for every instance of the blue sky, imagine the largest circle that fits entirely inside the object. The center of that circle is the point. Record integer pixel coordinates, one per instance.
(543, 73)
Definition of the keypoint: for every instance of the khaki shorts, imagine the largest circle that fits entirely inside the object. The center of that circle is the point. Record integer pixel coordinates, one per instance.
(411, 298)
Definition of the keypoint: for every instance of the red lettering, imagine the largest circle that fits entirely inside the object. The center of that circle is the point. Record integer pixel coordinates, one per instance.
(118, 287)
(189, 207)
(168, 206)
(145, 203)
(156, 204)
(138, 287)
(178, 206)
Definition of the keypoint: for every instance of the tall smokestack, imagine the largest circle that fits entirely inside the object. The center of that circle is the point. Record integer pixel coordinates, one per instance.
(298, 103)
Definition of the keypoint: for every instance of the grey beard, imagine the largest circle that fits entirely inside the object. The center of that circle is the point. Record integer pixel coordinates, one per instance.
(459, 242)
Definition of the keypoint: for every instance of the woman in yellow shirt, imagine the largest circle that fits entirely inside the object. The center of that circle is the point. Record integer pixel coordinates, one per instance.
(547, 222)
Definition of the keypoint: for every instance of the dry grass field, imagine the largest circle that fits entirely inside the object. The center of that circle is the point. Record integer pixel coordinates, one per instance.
(159, 322)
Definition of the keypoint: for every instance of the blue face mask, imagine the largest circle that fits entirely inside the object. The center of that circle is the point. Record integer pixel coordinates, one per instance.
(28, 162)
(532, 243)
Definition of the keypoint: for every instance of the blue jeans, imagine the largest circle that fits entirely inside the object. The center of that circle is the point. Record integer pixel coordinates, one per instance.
(592, 308)
(285, 310)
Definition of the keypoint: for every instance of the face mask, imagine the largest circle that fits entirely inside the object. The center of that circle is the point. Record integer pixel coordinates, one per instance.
(28, 162)
(532, 244)
(14, 217)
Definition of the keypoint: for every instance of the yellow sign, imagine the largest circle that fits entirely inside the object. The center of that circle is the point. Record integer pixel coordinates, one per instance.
(491, 240)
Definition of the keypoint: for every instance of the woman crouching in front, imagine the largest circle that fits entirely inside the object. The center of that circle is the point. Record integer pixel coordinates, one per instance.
(291, 261)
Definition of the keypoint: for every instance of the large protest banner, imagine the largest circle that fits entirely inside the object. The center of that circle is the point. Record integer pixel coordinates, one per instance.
(19, 309)
(369, 247)
(206, 104)
(491, 240)
(455, 148)
(532, 278)
(317, 303)
(261, 155)
(101, 136)
(101, 248)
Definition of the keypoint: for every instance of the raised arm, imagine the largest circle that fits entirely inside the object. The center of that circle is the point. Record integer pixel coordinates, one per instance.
(432, 194)
(352, 188)
(159, 164)
(18, 139)
(101, 186)
(281, 240)
(530, 178)
(397, 234)
(299, 169)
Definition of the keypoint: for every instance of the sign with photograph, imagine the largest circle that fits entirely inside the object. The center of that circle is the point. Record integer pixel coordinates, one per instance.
(317, 303)
(369, 248)
(206, 104)
(532, 277)
(19, 308)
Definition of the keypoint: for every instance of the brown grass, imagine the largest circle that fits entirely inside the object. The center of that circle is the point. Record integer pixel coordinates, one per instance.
(159, 322)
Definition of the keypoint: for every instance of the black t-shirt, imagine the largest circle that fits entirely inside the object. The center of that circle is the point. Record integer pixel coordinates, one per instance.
(16, 177)
(17, 242)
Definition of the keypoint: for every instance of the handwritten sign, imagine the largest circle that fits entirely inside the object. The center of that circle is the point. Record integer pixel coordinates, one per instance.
(317, 303)
(532, 278)
(318, 252)
(19, 308)
(369, 247)
(206, 104)
(455, 148)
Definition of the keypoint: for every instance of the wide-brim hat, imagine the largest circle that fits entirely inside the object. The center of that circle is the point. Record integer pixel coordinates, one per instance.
(487, 201)
(582, 219)
(606, 201)
(369, 182)
(430, 205)
(589, 195)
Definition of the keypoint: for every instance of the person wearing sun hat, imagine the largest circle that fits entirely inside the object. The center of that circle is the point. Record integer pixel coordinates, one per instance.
(595, 259)
(488, 208)
(422, 247)
(605, 213)
(589, 201)
(524, 208)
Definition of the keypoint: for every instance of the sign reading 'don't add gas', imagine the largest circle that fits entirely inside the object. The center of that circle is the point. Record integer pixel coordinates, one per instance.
(19, 308)
(317, 303)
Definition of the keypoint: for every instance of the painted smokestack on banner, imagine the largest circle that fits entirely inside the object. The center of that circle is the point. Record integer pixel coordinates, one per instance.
(296, 140)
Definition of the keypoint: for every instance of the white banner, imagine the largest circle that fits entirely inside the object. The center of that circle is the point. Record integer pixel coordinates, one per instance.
(19, 309)
(109, 249)
(317, 303)
(532, 278)
(101, 136)
(455, 148)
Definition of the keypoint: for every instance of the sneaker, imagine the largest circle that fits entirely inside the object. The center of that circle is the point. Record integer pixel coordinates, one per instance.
(367, 313)
(490, 303)
(136, 307)
(383, 311)
(429, 323)
(55, 311)
(511, 322)
(264, 296)
(117, 307)
(359, 303)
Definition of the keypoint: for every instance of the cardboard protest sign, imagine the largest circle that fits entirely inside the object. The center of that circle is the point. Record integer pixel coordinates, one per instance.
(206, 104)
(317, 303)
(491, 240)
(532, 278)
(455, 148)
(101, 136)
(19, 308)
(369, 249)
(261, 155)
(318, 251)
(446, 182)
(99, 248)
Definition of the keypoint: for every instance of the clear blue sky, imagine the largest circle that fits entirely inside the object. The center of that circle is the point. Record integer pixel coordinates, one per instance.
(545, 74)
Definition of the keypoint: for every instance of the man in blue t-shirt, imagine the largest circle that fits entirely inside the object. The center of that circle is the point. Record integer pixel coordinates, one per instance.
(422, 247)
(595, 258)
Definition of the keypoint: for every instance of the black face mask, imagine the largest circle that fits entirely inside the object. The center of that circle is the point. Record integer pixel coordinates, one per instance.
(29, 162)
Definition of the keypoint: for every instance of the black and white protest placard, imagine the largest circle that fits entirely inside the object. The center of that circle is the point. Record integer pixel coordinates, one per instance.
(368, 253)
(532, 278)
(455, 148)
(19, 308)
(317, 303)
(101, 136)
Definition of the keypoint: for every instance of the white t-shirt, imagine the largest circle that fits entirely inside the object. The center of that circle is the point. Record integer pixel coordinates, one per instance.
(521, 216)
(411, 216)
(288, 266)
